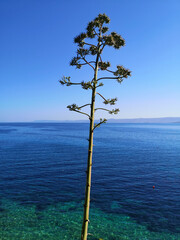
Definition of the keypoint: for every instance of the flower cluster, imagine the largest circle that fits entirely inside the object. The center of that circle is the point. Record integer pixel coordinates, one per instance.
(110, 101)
(65, 81)
(86, 85)
(73, 107)
(114, 40)
(76, 62)
(121, 73)
(104, 120)
(81, 54)
(114, 111)
(93, 50)
(104, 65)
(97, 23)
(80, 39)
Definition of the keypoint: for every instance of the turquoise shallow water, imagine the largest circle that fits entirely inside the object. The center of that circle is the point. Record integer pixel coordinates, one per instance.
(42, 175)
(63, 221)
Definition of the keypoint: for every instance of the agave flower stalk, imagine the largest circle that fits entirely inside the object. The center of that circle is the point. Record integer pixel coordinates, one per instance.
(97, 30)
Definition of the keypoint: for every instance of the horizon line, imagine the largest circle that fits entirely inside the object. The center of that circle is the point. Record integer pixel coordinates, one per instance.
(86, 120)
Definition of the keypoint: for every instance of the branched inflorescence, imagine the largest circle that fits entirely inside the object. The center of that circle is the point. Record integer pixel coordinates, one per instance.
(97, 29)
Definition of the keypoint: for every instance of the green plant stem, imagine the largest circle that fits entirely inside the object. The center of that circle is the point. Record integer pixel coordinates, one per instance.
(89, 162)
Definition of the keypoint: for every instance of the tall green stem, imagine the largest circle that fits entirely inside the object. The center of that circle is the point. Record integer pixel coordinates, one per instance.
(89, 162)
(95, 30)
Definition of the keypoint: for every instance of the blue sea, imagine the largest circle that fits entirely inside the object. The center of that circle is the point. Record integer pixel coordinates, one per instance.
(42, 181)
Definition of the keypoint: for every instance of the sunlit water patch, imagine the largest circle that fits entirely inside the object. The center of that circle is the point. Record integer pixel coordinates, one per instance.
(63, 221)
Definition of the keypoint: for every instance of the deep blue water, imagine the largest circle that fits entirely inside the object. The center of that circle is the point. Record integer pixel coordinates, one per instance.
(44, 164)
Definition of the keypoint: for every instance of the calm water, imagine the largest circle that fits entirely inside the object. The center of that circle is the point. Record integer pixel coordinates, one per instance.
(42, 181)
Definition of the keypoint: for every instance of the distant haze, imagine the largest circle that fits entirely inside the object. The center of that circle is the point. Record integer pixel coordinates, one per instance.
(133, 120)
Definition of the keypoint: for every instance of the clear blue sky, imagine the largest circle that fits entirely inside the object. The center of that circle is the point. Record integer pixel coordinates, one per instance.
(36, 45)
